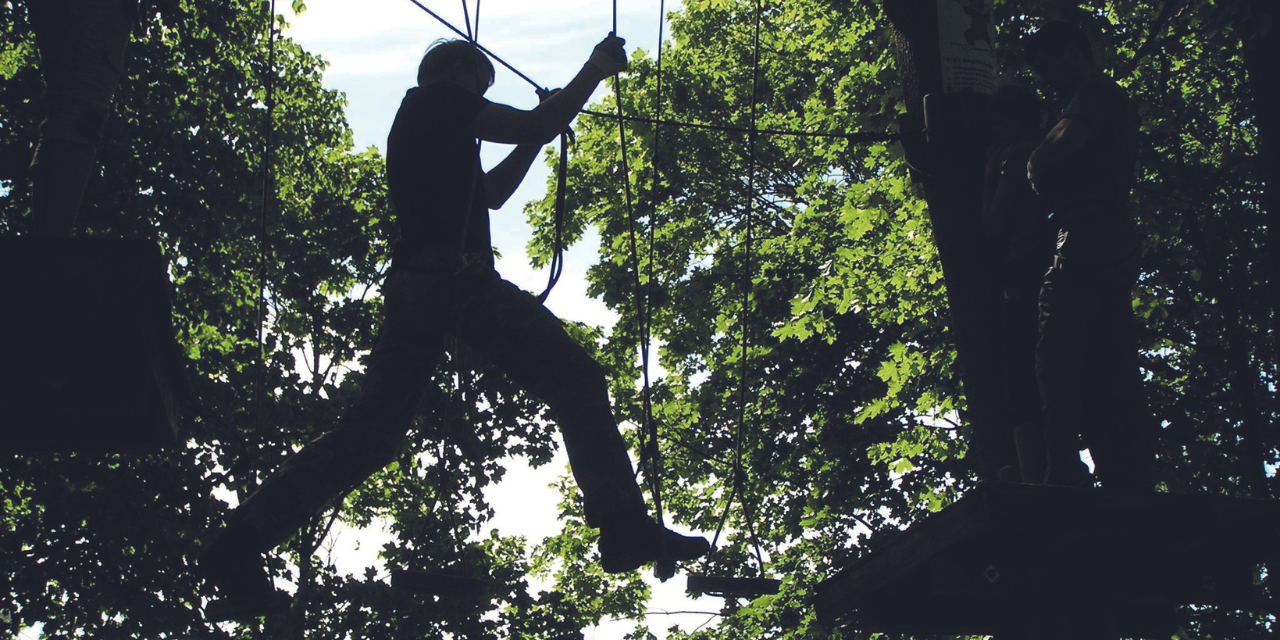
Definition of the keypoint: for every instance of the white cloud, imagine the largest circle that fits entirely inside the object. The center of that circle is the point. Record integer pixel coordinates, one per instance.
(400, 63)
(334, 19)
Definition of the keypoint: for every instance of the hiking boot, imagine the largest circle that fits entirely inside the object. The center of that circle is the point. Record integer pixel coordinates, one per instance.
(1009, 474)
(244, 589)
(1068, 473)
(631, 540)
(1029, 438)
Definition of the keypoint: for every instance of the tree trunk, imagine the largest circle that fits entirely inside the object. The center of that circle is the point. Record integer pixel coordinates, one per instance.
(952, 163)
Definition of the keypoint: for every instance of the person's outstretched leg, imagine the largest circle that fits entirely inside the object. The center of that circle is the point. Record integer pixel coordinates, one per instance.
(371, 434)
(1022, 439)
(1118, 424)
(1066, 307)
(514, 331)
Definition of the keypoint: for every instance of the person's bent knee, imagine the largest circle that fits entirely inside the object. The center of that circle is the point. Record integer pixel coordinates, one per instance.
(74, 121)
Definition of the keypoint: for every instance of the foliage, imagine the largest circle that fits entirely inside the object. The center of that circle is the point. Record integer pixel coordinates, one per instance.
(103, 545)
(850, 399)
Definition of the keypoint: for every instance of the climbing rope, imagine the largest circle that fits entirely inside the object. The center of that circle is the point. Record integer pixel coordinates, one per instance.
(268, 130)
(664, 570)
(652, 450)
(466, 18)
(487, 52)
(472, 35)
(856, 137)
(740, 475)
(557, 250)
(739, 472)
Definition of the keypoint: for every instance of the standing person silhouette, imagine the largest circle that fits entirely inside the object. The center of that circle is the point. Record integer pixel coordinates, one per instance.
(1015, 221)
(442, 282)
(1087, 354)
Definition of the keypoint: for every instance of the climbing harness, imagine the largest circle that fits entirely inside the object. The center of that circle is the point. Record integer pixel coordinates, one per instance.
(557, 251)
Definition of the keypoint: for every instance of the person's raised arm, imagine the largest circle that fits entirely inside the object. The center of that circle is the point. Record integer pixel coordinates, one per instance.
(1058, 149)
(1012, 195)
(501, 181)
(503, 124)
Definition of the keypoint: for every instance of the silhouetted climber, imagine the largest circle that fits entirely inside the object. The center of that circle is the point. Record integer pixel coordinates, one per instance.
(1086, 358)
(1016, 222)
(81, 44)
(442, 282)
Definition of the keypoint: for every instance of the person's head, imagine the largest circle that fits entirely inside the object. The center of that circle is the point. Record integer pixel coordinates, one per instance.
(1060, 53)
(1016, 114)
(457, 61)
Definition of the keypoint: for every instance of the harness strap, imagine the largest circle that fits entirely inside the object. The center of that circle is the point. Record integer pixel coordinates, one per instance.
(557, 255)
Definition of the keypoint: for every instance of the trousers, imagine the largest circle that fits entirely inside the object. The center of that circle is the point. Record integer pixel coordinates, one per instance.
(1087, 372)
(504, 324)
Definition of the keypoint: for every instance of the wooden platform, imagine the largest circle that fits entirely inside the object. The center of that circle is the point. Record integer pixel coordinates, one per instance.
(1005, 554)
(91, 362)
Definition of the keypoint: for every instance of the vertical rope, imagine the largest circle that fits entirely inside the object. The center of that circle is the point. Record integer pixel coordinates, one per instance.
(262, 222)
(466, 18)
(746, 298)
(652, 453)
(653, 188)
(739, 474)
(642, 314)
(556, 267)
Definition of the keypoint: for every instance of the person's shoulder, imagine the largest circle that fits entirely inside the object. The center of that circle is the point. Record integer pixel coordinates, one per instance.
(447, 97)
(1020, 152)
(1099, 96)
(1100, 83)
(416, 98)
(434, 93)
(1013, 159)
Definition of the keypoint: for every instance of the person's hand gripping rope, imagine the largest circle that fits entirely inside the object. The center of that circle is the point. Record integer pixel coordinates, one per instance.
(609, 56)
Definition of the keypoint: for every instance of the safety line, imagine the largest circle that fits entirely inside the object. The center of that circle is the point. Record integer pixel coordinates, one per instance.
(466, 18)
(857, 137)
(477, 45)
(852, 137)
(647, 336)
(477, 21)
(739, 472)
(268, 127)
(747, 287)
(556, 267)
(655, 456)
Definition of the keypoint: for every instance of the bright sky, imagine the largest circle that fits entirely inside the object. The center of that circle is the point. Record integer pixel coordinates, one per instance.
(373, 53)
